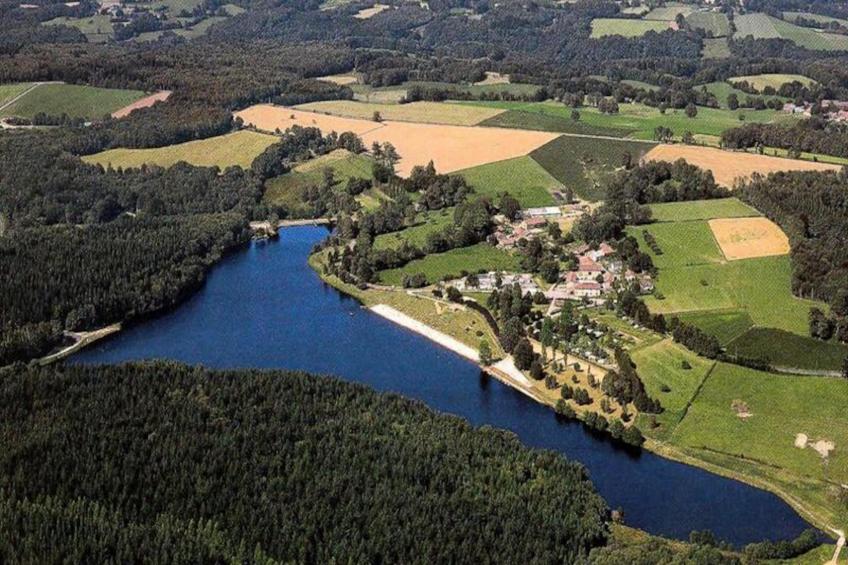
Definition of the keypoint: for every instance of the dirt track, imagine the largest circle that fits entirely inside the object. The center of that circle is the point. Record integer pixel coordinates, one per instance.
(728, 166)
(451, 148)
(145, 102)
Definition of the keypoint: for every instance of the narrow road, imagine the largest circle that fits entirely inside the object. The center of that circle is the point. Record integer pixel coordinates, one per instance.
(24, 93)
(839, 545)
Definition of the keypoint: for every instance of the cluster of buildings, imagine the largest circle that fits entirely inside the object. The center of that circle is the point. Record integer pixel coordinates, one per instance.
(488, 282)
(532, 222)
(596, 275)
(834, 110)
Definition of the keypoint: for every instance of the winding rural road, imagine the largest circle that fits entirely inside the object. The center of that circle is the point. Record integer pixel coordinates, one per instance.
(839, 545)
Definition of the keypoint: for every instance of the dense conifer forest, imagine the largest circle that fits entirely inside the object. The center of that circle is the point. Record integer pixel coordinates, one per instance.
(160, 461)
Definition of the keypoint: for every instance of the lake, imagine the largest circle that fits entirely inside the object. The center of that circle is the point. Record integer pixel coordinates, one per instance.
(264, 307)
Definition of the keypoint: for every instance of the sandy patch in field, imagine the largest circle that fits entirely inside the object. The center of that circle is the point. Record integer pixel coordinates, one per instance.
(745, 238)
(728, 166)
(741, 409)
(145, 102)
(451, 148)
(493, 78)
(823, 446)
(371, 12)
(341, 80)
(801, 441)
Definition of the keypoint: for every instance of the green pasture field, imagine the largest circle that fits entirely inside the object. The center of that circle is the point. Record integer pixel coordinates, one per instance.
(287, 190)
(639, 121)
(784, 349)
(233, 149)
(726, 325)
(640, 84)
(76, 101)
(762, 26)
(583, 164)
(451, 264)
(540, 120)
(682, 244)
(97, 28)
(759, 82)
(781, 406)
(516, 89)
(668, 13)
(702, 210)
(193, 32)
(603, 27)
(522, 177)
(759, 286)
(9, 91)
(721, 90)
(421, 112)
(661, 365)
(416, 235)
(714, 23)
(715, 49)
(790, 17)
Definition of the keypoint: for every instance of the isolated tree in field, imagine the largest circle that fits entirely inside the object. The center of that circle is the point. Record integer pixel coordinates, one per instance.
(575, 116)
(688, 138)
(691, 110)
(512, 332)
(536, 370)
(663, 134)
(377, 117)
(485, 353)
(732, 101)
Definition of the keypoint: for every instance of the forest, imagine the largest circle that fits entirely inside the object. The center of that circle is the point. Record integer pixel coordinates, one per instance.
(815, 135)
(327, 472)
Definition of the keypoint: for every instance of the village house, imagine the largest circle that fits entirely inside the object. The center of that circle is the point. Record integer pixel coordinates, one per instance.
(487, 282)
(547, 212)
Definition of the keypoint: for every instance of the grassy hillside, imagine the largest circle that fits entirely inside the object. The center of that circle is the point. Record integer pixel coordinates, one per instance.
(701, 210)
(233, 149)
(10, 91)
(74, 100)
(784, 349)
(713, 23)
(451, 264)
(96, 28)
(762, 26)
(775, 81)
(416, 235)
(583, 163)
(603, 27)
(521, 177)
(721, 90)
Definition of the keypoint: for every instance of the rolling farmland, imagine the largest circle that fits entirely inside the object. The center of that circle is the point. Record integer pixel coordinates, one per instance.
(419, 112)
(762, 26)
(233, 149)
(451, 264)
(76, 101)
(521, 177)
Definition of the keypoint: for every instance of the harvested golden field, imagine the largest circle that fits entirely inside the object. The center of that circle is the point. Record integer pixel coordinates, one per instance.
(145, 102)
(419, 112)
(747, 238)
(451, 148)
(269, 118)
(728, 166)
(341, 80)
(233, 149)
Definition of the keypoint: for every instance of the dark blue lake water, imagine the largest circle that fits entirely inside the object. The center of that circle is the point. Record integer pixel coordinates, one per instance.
(264, 307)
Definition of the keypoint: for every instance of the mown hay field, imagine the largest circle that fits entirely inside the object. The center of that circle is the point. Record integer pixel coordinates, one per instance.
(233, 149)
(682, 244)
(451, 264)
(76, 101)
(522, 177)
(418, 112)
(603, 27)
(451, 148)
(702, 210)
(746, 238)
(729, 166)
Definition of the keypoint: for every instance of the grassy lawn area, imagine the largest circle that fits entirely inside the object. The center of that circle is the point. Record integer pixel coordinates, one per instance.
(762, 26)
(421, 112)
(784, 349)
(9, 91)
(726, 325)
(583, 164)
(603, 27)
(287, 190)
(96, 28)
(451, 264)
(775, 81)
(711, 22)
(416, 235)
(701, 210)
(74, 100)
(660, 367)
(682, 243)
(780, 406)
(521, 177)
(233, 149)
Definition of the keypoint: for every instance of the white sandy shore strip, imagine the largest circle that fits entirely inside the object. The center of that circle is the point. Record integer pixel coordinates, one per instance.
(442, 339)
(507, 366)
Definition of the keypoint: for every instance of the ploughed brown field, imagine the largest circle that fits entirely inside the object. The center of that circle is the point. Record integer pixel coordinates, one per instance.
(729, 166)
(145, 102)
(451, 148)
(746, 238)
